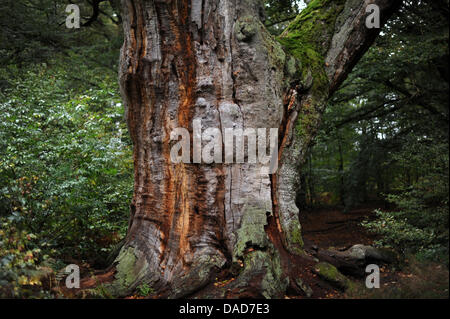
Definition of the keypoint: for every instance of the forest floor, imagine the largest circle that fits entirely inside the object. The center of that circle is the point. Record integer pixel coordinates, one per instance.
(323, 229)
(332, 228)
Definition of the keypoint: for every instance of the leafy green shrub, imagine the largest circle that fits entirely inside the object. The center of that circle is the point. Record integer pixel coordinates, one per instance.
(20, 273)
(421, 223)
(65, 163)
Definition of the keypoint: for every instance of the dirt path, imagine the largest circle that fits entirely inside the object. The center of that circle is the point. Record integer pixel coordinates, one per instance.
(333, 228)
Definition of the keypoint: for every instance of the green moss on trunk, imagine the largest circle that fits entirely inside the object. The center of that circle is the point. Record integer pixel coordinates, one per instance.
(131, 267)
(308, 39)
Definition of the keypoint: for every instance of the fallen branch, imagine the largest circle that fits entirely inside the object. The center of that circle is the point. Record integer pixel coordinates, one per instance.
(354, 260)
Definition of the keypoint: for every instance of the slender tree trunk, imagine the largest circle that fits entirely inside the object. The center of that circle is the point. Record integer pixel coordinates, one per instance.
(312, 193)
(341, 172)
(213, 60)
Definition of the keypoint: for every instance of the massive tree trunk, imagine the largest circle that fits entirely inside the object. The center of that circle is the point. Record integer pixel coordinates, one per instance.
(214, 61)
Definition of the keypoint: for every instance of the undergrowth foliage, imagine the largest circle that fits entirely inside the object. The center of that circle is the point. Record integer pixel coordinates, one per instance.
(420, 223)
(65, 170)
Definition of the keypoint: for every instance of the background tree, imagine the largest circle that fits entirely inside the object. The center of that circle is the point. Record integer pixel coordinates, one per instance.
(391, 111)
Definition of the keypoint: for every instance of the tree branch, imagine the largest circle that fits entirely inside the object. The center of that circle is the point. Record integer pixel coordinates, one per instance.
(355, 117)
(95, 13)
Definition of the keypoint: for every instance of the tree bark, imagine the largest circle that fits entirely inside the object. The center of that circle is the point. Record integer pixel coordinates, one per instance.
(214, 61)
